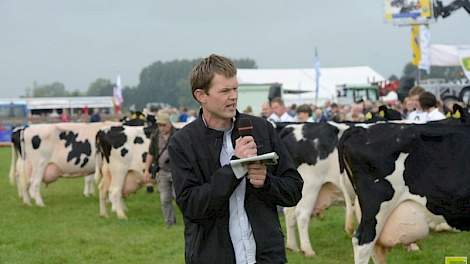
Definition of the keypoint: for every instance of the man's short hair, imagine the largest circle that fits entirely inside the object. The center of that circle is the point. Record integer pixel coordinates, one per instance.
(427, 100)
(277, 100)
(417, 90)
(203, 72)
(304, 109)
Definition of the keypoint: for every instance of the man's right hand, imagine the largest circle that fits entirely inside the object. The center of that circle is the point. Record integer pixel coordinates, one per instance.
(245, 147)
(147, 176)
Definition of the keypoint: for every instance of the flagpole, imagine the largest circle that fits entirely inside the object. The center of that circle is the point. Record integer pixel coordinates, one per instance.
(317, 76)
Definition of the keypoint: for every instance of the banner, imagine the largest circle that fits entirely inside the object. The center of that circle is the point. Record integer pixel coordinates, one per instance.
(408, 12)
(464, 58)
(415, 44)
(425, 45)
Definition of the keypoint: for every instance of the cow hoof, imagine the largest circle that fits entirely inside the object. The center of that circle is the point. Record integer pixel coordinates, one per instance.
(349, 231)
(104, 214)
(293, 249)
(122, 217)
(309, 253)
(412, 247)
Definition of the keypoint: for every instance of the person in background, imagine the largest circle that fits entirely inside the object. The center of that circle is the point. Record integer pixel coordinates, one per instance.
(317, 115)
(266, 110)
(428, 103)
(417, 115)
(191, 116)
(183, 117)
(158, 164)
(248, 110)
(304, 113)
(292, 110)
(64, 117)
(279, 111)
(95, 117)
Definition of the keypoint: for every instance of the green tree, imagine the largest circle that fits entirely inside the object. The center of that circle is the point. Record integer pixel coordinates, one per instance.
(100, 87)
(167, 82)
(55, 89)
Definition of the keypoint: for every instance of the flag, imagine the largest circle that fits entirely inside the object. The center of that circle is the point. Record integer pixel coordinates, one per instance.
(317, 75)
(425, 47)
(415, 45)
(117, 95)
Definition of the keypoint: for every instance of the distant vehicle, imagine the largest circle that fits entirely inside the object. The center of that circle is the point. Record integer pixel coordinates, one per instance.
(448, 91)
(12, 114)
(349, 94)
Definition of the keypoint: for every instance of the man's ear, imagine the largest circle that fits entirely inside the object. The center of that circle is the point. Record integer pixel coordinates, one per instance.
(200, 96)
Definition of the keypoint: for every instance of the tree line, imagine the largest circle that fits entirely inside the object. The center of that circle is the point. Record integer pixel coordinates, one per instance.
(168, 82)
(160, 82)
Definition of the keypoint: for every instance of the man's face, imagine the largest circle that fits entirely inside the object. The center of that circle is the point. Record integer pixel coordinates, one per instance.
(414, 101)
(278, 109)
(266, 110)
(221, 99)
(164, 128)
(302, 116)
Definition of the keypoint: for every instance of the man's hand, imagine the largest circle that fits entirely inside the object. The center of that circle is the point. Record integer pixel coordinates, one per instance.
(245, 147)
(147, 176)
(257, 174)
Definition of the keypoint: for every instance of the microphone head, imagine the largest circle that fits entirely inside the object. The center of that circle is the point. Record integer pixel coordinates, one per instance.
(245, 127)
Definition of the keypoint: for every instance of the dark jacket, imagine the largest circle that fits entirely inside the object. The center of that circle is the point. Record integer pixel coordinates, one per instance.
(203, 189)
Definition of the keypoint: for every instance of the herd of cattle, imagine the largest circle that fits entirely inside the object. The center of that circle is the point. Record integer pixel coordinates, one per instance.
(399, 179)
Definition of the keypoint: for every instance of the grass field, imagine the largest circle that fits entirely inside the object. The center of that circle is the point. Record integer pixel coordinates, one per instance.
(69, 230)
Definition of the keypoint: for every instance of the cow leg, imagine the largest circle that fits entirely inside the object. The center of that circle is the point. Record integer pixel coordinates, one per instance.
(380, 254)
(89, 186)
(36, 180)
(105, 182)
(24, 181)
(349, 196)
(303, 211)
(291, 223)
(362, 253)
(117, 184)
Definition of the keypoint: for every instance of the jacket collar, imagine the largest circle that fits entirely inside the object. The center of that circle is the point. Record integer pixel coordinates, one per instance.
(202, 122)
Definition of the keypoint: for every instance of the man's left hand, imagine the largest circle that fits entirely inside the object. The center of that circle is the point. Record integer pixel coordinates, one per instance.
(257, 174)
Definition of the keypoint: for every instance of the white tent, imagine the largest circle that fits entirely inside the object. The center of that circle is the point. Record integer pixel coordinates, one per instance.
(446, 55)
(304, 80)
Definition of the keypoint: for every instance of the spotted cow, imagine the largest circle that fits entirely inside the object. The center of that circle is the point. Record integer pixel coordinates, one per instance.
(389, 164)
(312, 147)
(49, 151)
(120, 164)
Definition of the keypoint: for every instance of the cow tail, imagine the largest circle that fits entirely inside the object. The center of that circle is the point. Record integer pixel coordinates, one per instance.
(99, 157)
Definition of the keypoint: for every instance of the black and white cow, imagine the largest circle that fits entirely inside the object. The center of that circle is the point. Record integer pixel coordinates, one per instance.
(120, 164)
(312, 147)
(49, 151)
(389, 164)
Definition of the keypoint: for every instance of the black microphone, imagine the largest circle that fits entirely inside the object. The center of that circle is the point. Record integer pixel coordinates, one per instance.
(245, 127)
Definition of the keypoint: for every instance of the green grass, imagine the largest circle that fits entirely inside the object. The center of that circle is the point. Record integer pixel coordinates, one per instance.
(69, 230)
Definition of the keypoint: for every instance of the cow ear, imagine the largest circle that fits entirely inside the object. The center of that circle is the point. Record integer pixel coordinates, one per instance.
(457, 115)
(369, 116)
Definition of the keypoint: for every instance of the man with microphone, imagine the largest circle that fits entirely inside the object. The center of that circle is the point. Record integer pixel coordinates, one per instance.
(229, 208)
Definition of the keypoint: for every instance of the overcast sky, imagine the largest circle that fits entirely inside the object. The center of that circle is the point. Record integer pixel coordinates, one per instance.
(76, 42)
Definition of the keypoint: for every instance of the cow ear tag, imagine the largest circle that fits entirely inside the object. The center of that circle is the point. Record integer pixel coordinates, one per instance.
(368, 116)
(448, 115)
(457, 115)
(381, 114)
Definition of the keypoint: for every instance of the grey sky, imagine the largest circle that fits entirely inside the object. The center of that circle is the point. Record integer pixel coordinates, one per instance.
(75, 42)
